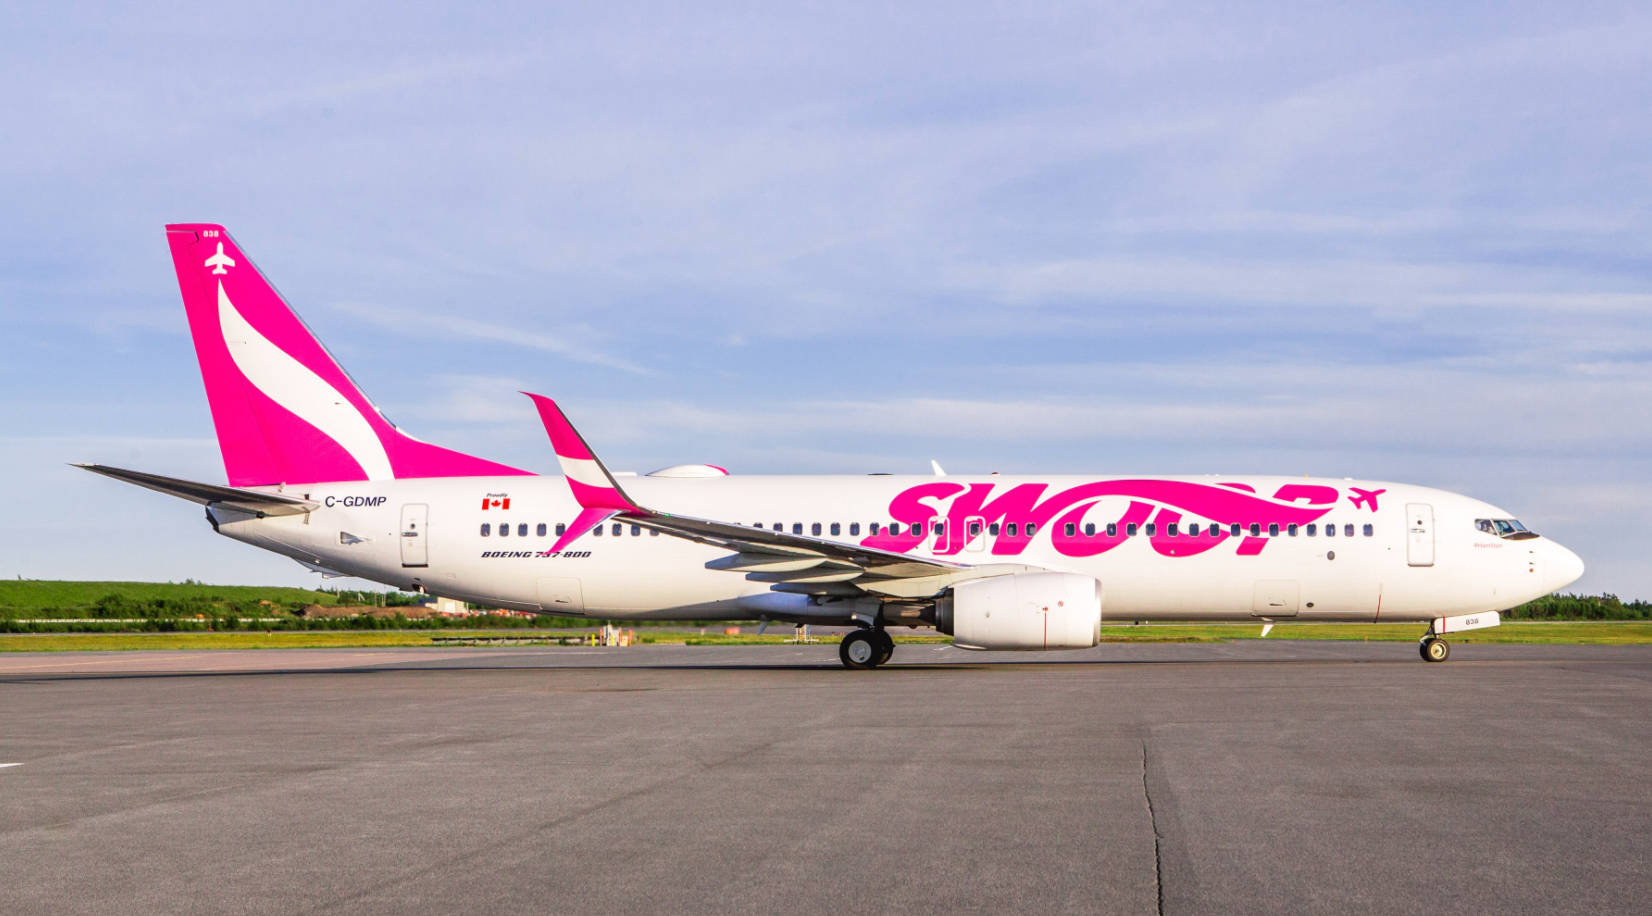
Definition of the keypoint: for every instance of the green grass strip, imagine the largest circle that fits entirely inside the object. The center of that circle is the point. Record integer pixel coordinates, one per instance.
(1610, 632)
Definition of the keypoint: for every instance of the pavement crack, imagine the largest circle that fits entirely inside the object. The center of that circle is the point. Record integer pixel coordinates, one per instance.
(1158, 837)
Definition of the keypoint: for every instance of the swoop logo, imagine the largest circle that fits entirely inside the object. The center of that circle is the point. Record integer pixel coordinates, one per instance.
(1104, 504)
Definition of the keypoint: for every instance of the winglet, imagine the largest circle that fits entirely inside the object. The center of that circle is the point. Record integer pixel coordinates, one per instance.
(596, 491)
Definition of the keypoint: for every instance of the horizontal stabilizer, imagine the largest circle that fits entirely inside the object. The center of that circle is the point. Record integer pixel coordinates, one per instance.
(209, 494)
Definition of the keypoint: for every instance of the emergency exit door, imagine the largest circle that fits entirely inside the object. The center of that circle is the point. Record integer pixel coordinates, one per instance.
(1419, 534)
(415, 518)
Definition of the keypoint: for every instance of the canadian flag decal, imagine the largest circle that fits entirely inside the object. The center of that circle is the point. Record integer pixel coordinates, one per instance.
(492, 502)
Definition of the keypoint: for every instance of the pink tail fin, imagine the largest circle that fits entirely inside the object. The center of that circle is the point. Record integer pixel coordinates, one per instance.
(285, 411)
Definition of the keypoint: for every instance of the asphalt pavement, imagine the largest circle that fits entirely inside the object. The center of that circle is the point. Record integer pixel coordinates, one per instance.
(1256, 776)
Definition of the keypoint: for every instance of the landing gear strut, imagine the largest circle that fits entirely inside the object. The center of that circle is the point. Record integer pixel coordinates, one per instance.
(1434, 649)
(866, 648)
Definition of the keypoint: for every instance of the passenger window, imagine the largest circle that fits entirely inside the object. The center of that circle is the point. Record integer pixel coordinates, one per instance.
(1032, 529)
(1255, 529)
(561, 529)
(1112, 529)
(1069, 530)
(814, 529)
(917, 528)
(1369, 530)
(653, 532)
(505, 530)
(1130, 529)
(487, 529)
(1170, 529)
(797, 527)
(1215, 529)
(1348, 531)
(636, 530)
(854, 529)
(873, 529)
(1330, 531)
(779, 527)
(974, 529)
(540, 531)
(618, 528)
(597, 531)
(1011, 529)
(1273, 530)
(992, 529)
(1089, 529)
(837, 529)
(1152, 529)
(1291, 530)
(522, 530)
(1234, 530)
(939, 528)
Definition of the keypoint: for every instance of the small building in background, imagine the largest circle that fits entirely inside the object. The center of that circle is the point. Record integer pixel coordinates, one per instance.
(448, 607)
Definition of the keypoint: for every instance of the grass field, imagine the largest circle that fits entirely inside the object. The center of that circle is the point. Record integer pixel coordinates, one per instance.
(47, 593)
(1615, 632)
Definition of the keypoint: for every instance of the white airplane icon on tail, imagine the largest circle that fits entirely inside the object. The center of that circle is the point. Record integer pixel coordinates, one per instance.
(219, 261)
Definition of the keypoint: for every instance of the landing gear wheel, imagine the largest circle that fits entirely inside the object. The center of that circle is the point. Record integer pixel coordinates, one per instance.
(860, 649)
(1434, 649)
(886, 646)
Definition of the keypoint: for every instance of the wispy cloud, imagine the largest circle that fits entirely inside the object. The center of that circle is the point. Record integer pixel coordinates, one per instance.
(441, 326)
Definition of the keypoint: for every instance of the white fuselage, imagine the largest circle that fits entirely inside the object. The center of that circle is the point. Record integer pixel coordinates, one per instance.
(1406, 569)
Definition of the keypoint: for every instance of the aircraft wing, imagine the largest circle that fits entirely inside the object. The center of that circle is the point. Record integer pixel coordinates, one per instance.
(208, 494)
(790, 562)
(816, 566)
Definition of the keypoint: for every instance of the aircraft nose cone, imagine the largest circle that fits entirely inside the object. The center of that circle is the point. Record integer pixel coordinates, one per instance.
(1565, 567)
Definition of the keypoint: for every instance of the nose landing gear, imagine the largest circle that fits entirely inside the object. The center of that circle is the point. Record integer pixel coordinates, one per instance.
(866, 648)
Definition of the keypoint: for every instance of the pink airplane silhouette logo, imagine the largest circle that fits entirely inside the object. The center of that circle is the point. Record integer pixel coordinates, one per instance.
(1365, 497)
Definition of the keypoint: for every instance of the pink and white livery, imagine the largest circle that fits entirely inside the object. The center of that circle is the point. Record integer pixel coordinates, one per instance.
(317, 473)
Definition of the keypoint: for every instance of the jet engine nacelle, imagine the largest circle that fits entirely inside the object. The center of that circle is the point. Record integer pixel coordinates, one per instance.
(1023, 611)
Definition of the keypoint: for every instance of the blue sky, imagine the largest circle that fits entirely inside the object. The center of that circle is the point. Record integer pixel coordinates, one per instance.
(1408, 243)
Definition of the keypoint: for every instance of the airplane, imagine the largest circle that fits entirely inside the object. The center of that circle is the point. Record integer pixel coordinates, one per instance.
(317, 473)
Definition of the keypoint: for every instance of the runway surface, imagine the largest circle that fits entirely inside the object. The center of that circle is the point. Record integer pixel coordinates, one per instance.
(1258, 776)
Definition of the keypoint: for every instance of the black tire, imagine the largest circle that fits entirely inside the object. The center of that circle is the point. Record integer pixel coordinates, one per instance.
(886, 646)
(860, 649)
(1435, 649)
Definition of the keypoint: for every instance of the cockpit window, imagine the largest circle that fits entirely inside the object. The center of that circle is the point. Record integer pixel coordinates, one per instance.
(1504, 528)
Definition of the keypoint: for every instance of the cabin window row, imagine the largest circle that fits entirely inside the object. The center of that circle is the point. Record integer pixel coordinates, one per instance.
(1012, 529)
(504, 530)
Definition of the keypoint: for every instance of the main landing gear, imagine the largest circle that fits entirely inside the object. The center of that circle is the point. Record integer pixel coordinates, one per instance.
(866, 648)
(1433, 648)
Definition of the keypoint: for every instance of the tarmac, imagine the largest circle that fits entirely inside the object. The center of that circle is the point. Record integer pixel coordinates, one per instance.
(1256, 776)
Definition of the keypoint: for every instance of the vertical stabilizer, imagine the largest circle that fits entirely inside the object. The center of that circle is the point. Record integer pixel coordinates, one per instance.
(284, 409)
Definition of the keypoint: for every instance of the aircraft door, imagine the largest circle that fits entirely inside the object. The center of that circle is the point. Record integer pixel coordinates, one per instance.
(1419, 534)
(975, 528)
(415, 518)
